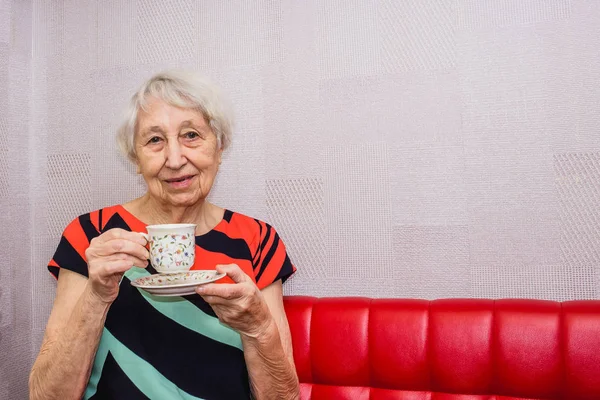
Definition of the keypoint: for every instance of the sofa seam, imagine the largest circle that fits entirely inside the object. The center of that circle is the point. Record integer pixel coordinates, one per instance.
(310, 342)
(428, 349)
(370, 372)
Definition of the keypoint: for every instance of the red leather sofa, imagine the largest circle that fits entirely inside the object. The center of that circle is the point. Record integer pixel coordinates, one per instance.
(450, 349)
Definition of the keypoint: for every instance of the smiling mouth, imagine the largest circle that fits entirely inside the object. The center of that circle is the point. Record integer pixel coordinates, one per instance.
(177, 180)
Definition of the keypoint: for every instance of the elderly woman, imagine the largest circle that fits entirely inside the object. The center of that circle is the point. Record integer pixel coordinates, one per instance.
(108, 339)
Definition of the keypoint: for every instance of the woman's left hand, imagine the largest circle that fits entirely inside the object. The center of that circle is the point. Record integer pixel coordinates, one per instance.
(240, 304)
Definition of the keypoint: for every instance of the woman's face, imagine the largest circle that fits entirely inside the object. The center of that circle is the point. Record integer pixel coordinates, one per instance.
(177, 153)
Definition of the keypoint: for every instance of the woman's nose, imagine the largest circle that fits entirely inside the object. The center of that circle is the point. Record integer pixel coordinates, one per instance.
(174, 154)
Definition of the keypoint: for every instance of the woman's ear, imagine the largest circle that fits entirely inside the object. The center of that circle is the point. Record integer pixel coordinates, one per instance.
(136, 161)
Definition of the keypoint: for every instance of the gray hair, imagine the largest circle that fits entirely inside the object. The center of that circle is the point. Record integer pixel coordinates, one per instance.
(178, 88)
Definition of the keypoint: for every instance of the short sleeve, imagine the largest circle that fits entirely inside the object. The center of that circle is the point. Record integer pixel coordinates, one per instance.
(270, 261)
(70, 252)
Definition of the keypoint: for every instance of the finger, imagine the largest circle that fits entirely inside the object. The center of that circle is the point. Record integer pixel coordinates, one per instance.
(114, 267)
(225, 291)
(135, 261)
(118, 233)
(214, 300)
(233, 271)
(123, 246)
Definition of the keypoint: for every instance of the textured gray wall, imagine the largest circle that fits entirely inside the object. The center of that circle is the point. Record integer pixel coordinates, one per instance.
(17, 194)
(431, 148)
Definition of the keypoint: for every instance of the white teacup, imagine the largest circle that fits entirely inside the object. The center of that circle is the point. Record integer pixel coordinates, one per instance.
(172, 247)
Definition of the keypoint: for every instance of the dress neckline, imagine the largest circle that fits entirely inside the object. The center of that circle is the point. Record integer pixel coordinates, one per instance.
(141, 225)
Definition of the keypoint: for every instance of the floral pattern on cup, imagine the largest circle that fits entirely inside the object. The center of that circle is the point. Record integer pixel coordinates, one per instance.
(172, 252)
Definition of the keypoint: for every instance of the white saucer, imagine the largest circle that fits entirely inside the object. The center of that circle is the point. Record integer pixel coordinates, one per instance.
(176, 284)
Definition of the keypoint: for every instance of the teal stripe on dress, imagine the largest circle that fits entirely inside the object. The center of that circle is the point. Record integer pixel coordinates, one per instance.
(143, 375)
(186, 314)
(99, 360)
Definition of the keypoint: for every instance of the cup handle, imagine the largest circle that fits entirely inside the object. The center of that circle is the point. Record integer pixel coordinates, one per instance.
(145, 236)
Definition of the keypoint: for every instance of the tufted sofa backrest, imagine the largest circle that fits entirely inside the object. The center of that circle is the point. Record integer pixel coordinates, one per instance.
(360, 348)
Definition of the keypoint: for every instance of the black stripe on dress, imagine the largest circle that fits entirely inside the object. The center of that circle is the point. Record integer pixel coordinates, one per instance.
(257, 254)
(116, 221)
(115, 384)
(219, 242)
(286, 270)
(68, 258)
(268, 257)
(265, 240)
(195, 363)
(227, 215)
(88, 228)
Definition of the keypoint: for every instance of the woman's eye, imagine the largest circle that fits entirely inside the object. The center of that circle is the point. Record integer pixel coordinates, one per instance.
(191, 135)
(154, 139)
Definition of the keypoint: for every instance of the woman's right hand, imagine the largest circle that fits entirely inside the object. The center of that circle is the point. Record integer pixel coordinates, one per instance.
(109, 256)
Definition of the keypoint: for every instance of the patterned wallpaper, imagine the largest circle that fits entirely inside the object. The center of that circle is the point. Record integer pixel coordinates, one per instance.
(431, 148)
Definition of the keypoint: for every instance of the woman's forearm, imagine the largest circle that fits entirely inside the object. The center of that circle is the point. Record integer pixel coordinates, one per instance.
(63, 366)
(271, 374)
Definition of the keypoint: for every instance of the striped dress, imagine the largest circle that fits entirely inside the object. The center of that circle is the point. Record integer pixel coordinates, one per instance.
(172, 347)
